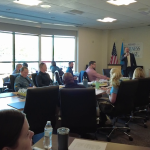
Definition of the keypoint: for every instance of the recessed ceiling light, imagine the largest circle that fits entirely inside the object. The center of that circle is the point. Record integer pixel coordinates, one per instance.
(49, 12)
(28, 2)
(45, 6)
(107, 19)
(121, 2)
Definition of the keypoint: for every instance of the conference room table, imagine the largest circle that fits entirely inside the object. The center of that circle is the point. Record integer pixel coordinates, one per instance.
(14, 99)
(109, 146)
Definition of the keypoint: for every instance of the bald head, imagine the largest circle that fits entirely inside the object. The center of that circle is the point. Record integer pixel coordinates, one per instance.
(68, 78)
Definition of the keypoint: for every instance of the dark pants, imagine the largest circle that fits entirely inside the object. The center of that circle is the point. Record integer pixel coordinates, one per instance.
(128, 72)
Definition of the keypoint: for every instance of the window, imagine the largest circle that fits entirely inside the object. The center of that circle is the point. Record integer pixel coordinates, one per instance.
(64, 51)
(26, 48)
(46, 49)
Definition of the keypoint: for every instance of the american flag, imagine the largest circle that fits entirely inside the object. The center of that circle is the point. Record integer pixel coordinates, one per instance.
(114, 59)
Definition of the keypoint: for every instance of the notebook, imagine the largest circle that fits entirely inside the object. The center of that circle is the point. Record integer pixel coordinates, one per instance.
(18, 105)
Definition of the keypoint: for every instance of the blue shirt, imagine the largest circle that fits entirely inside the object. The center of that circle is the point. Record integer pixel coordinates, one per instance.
(69, 69)
(114, 90)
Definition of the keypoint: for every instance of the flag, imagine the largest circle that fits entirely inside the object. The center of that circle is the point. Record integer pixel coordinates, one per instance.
(114, 59)
(121, 53)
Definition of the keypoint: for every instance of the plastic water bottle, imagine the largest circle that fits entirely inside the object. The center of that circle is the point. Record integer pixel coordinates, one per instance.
(85, 82)
(48, 130)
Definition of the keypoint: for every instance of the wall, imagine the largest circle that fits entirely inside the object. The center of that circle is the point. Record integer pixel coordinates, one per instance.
(89, 48)
(138, 34)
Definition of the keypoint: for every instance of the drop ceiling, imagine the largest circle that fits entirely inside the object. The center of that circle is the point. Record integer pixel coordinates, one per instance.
(78, 13)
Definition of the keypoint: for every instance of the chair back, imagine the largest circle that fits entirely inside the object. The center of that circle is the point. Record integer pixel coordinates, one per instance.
(57, 78)
(34, 78)
(12, 80)
(83, 74)
(78, 109)
(40, 107)
(125, 98)
(106, 72)
(142, 94)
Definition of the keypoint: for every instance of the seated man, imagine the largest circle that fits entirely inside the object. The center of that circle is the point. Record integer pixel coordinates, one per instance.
(23, 81)
(43, 78)
(69, 69)
(68, 80)
(17, 70)
(92, 74)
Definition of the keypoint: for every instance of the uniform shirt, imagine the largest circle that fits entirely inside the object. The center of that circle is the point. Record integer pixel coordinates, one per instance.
(43, 79)
(21, 82)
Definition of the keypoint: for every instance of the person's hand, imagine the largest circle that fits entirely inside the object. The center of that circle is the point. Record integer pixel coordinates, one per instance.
(108, 91)
(126, 55)
(108, 78)
(75, 78)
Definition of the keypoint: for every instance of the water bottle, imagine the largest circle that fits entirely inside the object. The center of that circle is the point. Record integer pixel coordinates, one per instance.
(85, 82)
(48, 130)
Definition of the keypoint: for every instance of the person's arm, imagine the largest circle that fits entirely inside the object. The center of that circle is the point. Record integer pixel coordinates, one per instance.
(39, 81)
(17, 84)
(99, 76)
(112, 94)
(124, 56)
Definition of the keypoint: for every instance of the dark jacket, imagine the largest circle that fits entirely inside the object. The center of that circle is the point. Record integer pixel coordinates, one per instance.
(132, 61)
(43, 79)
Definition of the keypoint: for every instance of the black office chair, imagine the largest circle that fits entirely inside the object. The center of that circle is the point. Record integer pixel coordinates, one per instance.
(57, 78)
(34, 78)
(106, 72)
(141, 101)
(78, 110)
(40, 107)
(12, 80)
(123, 106)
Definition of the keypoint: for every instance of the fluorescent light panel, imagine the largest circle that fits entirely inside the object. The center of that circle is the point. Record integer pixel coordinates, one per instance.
(45, 6)
(28, 2)
(107, 19)
(121, 2)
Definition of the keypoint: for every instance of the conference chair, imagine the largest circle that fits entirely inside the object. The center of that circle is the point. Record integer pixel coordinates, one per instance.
(141, 102)
(34, 78)
(106, 72)
(12, 81)
(6, 85)
(83, 74)
(40, 107)
(78, 110)
(57, 78)
(123, 106)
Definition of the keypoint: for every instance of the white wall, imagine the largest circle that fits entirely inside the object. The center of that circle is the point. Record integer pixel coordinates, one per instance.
(138, 34)
(89, 48)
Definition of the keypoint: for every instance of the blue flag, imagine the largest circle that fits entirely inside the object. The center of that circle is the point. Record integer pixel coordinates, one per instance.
(122, 62)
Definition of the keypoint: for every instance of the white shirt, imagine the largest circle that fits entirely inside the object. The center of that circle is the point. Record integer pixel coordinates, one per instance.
(128, 63)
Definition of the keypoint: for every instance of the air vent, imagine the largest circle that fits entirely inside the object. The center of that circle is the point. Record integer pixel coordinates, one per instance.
(74, 12)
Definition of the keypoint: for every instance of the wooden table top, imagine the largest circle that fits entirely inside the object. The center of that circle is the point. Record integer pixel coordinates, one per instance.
(110, 146)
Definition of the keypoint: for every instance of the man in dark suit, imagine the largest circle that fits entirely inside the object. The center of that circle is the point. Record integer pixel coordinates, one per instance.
(129, 63)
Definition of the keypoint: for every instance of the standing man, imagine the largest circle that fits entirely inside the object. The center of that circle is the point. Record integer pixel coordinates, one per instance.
(92, 74)
(129, 63)
(43, 78)
(69, 69)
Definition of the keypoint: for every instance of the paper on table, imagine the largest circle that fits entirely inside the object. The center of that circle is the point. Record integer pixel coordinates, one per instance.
(87, 145)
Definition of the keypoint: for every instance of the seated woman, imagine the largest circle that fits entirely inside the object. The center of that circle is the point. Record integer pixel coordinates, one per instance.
(138, 73)
(14, 131)
(115, 76)
(53, 68)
